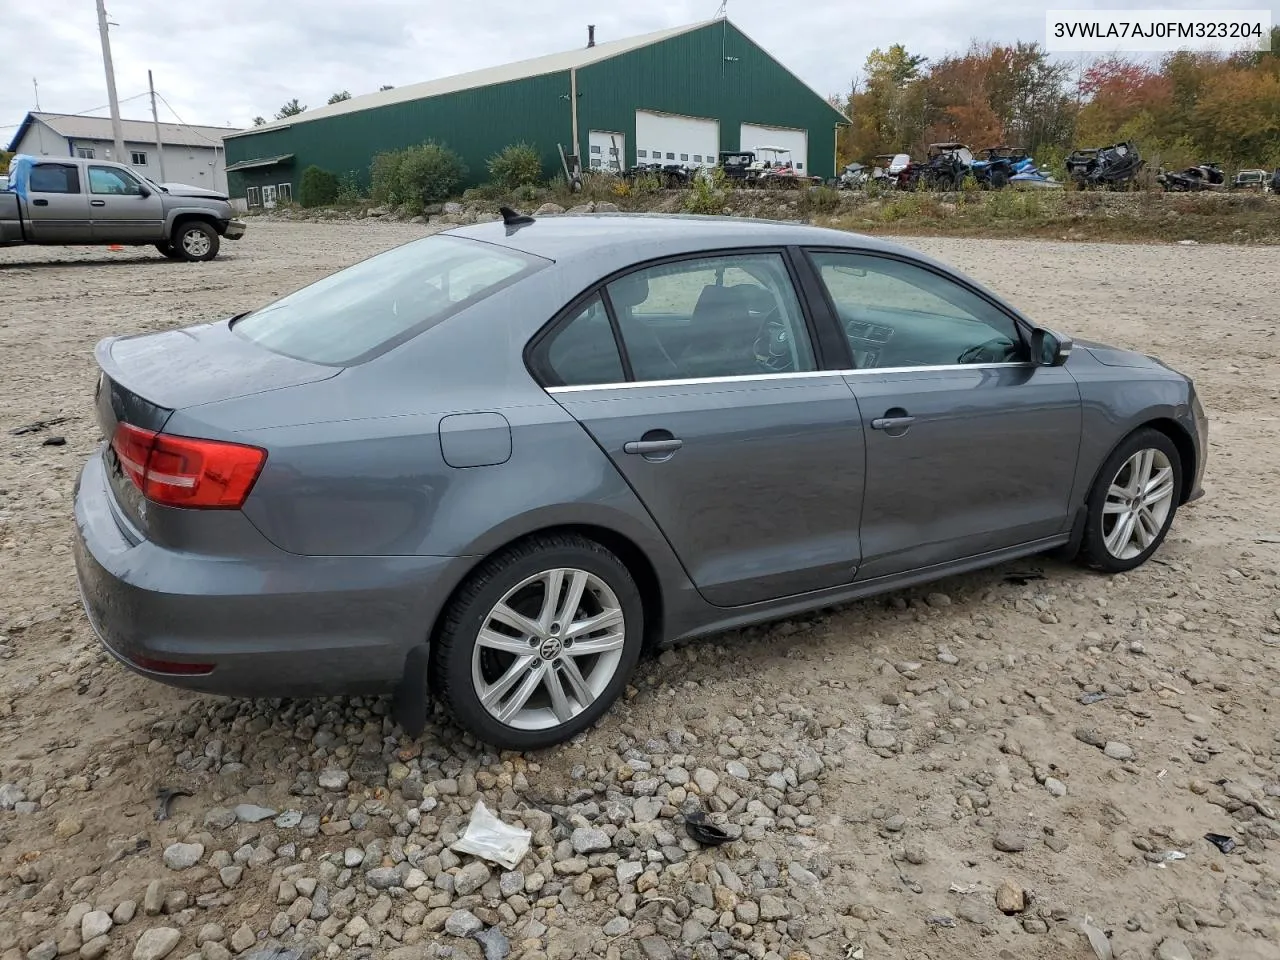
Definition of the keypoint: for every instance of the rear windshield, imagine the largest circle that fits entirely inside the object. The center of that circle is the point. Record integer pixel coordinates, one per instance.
(368, 308)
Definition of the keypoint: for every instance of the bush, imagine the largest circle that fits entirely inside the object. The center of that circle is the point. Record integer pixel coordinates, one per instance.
(384, 177)
(820, 199)
(428, 174)
(708, 193)
(516, 165)
(349, 192)
(317, 188)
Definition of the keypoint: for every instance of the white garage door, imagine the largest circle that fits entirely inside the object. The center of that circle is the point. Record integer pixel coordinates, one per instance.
(667, 138)
(606, 151)
(797, 141)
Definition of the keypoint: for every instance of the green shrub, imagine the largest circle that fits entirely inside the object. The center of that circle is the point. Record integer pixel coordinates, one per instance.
(708, 193)
(317, 188)
(820, 199)
(384, 176)
(428, 174)
(516, 165)
(349, 192)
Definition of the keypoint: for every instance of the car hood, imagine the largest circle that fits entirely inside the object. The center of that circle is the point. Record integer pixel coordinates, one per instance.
(186, 190)
(1116, 357)
(201, 364)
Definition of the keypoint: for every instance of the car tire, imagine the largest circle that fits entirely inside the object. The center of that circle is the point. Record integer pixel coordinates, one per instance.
(195, 241)
(168, 250)
(479, 679)
(1147, 460)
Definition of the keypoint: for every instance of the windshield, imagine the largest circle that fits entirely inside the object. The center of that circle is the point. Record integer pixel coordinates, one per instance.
(381, 302)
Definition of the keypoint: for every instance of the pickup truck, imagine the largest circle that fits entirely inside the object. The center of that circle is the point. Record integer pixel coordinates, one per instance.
(73, 201)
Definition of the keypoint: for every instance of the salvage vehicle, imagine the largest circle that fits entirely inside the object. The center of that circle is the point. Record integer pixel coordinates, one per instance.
(634, 430)
(945, 167)
(1250, 180)
(855, 176)
(1275, 181)
(736, 163)
(74, 201)
(1113, 168)
(1205, 176)
(997, 166)
(773, 167)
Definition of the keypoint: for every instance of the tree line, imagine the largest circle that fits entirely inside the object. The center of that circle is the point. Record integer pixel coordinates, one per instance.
(1186, 108)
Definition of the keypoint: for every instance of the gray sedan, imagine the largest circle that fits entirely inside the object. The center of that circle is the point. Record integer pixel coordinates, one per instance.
(493, 465)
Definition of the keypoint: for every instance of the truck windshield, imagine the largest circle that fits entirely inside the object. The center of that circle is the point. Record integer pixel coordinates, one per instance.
(368, 308)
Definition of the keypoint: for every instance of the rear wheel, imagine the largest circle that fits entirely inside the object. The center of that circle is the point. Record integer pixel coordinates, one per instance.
(539, 643)
(195, 241)
(1133, 502)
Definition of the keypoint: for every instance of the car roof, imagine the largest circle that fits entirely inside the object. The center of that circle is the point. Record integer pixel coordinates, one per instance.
(628, 237)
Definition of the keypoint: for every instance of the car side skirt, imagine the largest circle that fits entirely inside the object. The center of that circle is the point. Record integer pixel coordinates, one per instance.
(789, 606)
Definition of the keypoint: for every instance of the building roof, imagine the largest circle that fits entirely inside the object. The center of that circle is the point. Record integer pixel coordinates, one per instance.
(520, 70)
(77, 127)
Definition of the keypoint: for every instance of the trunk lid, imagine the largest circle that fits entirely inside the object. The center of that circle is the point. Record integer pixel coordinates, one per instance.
(146, 377)
(202, 364)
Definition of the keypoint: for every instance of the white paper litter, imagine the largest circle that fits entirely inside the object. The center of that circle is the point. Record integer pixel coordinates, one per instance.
(490, 838)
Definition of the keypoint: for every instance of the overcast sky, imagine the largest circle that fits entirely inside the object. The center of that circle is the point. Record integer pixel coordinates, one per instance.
(227, 61)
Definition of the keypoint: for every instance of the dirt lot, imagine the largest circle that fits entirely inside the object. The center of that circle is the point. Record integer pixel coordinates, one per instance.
(900, 769)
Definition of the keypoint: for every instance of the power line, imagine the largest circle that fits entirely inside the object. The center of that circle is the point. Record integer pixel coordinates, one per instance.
(78, 113)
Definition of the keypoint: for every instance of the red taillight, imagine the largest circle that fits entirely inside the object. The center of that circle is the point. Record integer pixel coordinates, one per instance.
(185, 471)
(171, 666)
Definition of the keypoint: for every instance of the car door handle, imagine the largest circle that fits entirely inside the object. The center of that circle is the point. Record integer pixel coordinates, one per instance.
(39, 203)
(97, 203)
(892, 423)
(645, 447)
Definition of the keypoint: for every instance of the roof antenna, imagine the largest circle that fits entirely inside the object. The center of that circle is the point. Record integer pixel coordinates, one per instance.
(513, 219)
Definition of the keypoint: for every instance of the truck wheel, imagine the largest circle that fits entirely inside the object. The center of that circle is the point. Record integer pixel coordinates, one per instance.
(195, 241)
(168, 250)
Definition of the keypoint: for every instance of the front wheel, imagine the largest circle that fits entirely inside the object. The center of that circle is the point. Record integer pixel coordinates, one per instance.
(539, 643)
(196, 241)
(1133, 502)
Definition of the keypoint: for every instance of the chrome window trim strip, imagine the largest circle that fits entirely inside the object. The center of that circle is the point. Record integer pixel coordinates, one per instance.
(770, 377)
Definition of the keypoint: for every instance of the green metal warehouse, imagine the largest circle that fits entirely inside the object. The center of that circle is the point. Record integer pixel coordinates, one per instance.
(681, 95)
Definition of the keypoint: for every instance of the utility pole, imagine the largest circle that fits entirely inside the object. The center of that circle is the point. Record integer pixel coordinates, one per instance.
(116, 131)
(155, 118)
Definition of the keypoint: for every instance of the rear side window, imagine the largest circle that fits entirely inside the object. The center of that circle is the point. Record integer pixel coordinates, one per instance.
(582, 352)
(379, 303)
(54, 178)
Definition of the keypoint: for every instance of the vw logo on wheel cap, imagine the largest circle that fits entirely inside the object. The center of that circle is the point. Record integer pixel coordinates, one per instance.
(551, 648)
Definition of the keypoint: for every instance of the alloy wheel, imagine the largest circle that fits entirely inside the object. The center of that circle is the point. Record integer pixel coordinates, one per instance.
(548, 649)
(195, 243)
(1138, 504)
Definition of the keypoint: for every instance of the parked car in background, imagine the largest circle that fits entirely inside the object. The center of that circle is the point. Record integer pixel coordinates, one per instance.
(496, 463)
(1250, 180)
(1115, 167)
(74, 201)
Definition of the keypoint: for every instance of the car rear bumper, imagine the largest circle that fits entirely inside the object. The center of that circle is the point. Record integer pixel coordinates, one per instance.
(235, 229)
(273, 626)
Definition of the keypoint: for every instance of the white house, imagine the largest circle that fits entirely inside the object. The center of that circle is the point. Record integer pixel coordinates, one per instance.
(192, 155)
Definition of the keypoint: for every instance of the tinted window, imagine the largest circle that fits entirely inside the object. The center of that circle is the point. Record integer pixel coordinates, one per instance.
(896, 314)
(583, 351)
(54, 178)
(714, 317)
(384, 300)
(111, 181)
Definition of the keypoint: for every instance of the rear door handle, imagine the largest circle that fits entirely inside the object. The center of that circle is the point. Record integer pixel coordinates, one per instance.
(97, 203)
(892, 423)
(645, 447)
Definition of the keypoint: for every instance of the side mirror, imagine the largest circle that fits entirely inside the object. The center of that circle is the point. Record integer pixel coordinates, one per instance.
(1049, 349)
(144, 191)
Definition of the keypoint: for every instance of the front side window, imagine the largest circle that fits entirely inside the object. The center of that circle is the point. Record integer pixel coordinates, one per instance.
(54, 178)
(897, 314)
(727, 316)
(108, 180)
(582, 352)
(385, 300)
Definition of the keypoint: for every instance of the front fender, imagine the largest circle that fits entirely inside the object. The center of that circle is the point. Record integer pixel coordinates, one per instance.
(192, 210)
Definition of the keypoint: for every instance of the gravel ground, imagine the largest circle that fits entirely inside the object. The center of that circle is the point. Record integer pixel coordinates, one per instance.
(967, 771)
